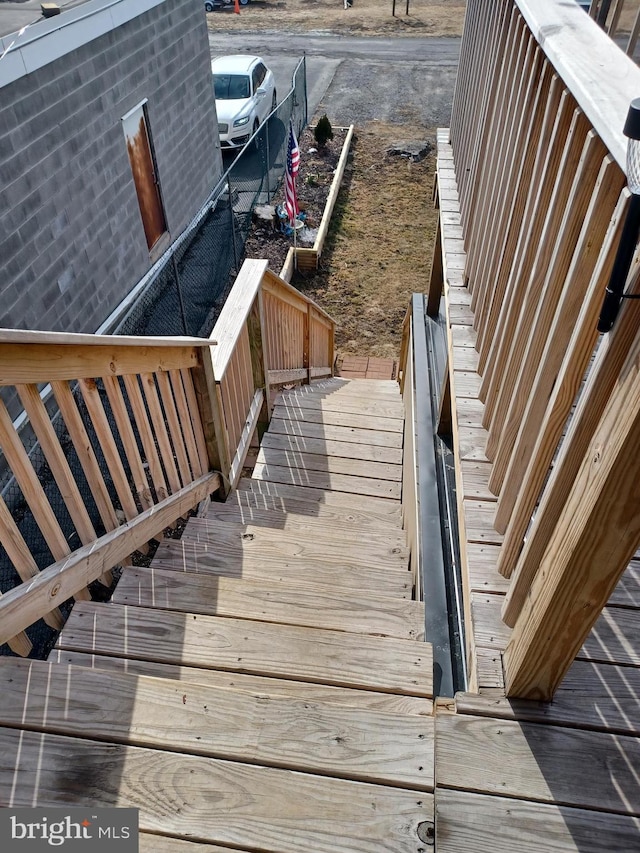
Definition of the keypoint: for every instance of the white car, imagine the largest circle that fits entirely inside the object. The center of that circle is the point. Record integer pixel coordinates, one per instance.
(245, 92)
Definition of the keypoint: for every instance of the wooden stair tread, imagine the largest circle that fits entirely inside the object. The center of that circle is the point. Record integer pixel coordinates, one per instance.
(259, 648)
(329, 464)
(326, 447)
(222, 801)
(346, 742)
(306, 605)
(335, 432)
(212, 558)
(316, 496)
(265, 512)
(329, 482)
(254, 685)
(348, 403)
(294, 412)
(248, 538)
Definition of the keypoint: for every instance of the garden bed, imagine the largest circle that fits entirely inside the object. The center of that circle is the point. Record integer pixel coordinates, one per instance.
(314, 181)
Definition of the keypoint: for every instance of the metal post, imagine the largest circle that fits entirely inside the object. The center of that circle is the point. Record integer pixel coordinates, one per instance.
(180, 299)
(393, 10)
(266, 136)
(233, 229)
(304, 78)
(407, 10)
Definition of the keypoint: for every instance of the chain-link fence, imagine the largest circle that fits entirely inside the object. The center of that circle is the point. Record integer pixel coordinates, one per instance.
(185, 290)
(182, 294)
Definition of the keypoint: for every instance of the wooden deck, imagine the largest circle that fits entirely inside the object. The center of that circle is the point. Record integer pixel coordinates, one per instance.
(263, 685)
(525, 776)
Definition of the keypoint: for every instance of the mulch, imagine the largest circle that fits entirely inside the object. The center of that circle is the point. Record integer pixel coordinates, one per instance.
(317, 167)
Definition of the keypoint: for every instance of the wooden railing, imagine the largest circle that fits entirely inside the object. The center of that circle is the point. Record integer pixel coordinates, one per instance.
(268, 334)
(536, 131)
(156, 425)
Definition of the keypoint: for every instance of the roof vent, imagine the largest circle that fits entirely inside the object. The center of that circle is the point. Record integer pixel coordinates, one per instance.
(49, 9)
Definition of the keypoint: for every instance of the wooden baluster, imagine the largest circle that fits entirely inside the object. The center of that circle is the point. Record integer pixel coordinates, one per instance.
(177, 437)
(44, 516)
(197, 421)
(128, 438)
(22, 559)
(162, 436)
(146, 435)
(186, 421)
(59, 467)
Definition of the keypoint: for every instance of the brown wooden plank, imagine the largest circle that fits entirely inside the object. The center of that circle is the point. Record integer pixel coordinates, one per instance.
(255, 685)
(273, 564)
(197, 419)
(256, 648)
(479, 517)
(329, 432)
(363, 405)
(150, 843)
(475, 480)
(327, 447)
(305, 605)
(248, 501)
(227, 802)
(327, 524)
(326, 480)
(346, 419)
(344, 742)
(483, 573)
(25, 363)
(366, 503)
(329, 464)
(545, 763)
(467, 823)
(594, 696)
(238, 538)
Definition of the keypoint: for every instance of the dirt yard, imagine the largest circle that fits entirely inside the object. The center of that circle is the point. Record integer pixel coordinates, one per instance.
(364, 17)
(380, 243)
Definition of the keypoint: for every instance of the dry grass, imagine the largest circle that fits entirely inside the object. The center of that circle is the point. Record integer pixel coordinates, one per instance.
(380, 243)
(365, 17)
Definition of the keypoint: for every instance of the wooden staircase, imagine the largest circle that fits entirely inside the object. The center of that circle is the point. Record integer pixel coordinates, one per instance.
(263, 685)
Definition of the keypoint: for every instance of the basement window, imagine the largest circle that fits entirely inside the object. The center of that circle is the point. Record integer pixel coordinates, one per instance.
(145, 174)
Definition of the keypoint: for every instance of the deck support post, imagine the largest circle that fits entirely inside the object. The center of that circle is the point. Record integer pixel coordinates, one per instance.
(596, 535)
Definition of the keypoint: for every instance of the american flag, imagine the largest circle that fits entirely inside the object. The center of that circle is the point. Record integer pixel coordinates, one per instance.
(293, 164)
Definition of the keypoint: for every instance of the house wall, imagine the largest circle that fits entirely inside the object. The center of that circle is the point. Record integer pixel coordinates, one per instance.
(72, 243)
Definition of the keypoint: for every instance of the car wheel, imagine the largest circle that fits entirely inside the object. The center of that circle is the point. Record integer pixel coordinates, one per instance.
(208, 7)
(243, 2)
(274, 100)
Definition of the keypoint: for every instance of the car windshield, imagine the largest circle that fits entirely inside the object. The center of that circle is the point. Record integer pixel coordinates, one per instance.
(231, 87)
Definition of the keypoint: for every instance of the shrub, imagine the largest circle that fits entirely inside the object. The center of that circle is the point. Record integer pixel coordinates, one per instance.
(323, 131)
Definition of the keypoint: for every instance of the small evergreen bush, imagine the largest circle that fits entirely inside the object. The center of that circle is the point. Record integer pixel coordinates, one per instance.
(323, 131)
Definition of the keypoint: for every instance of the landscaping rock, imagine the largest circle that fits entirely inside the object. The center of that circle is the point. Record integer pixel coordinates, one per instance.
(415, 151)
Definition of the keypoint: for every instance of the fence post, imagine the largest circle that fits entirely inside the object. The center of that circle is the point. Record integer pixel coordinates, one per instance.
(179, 288)
(233, 228)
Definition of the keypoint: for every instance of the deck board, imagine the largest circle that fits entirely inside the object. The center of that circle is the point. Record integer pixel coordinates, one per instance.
(211, 800)
(248, 538)
(254, 685)
(325, 511)
(317, 495)
(330, 448)
(191, 555)
(329, 464)
(359, 420)
(265, 513)
(306, 605)
(296, 734)
(477, 823)
(327, 481)
(334, 432)
(259, 648)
